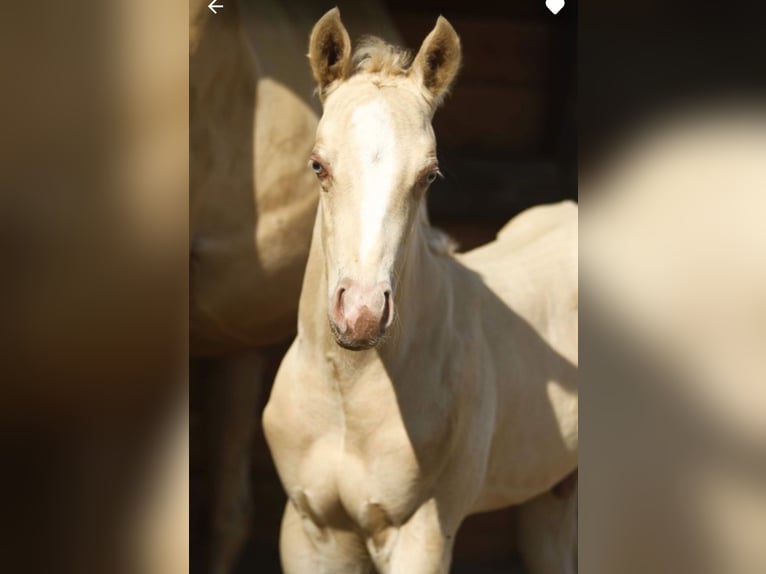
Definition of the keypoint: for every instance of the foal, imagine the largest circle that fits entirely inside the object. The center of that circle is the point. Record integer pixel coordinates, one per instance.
(421, 387)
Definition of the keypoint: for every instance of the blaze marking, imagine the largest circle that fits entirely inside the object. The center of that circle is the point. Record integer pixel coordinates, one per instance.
(373, 137)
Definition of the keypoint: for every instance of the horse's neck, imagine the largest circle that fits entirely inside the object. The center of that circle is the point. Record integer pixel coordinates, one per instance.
(422, 293)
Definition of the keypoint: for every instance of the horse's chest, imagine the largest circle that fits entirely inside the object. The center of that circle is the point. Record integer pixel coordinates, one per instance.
(375, 488)
(381, 471)
(366, 461)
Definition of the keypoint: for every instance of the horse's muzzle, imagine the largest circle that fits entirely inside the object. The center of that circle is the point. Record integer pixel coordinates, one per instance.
(360, 314)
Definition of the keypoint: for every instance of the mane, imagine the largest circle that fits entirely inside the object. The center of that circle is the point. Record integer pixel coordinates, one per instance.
(376, 56)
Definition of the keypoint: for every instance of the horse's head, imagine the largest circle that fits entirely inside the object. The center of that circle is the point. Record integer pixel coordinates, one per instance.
(374, 156)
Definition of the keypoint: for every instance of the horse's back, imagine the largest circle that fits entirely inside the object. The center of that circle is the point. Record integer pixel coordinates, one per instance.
(536, 221)
(532, 268)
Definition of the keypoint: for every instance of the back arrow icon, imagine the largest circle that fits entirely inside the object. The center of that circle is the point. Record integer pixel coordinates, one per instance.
(213, 6)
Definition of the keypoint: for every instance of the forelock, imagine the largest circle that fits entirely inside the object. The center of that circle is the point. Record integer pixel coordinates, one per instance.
(376, 56)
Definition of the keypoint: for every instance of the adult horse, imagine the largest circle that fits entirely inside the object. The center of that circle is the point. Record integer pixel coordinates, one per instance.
(252, 207)
(421, 387)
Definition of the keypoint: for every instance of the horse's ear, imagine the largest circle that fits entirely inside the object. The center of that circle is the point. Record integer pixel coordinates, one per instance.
(329, 51)
(438, 60)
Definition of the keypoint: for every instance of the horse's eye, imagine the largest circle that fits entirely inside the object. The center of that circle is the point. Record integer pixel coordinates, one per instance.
(317, 167)
(431, 176)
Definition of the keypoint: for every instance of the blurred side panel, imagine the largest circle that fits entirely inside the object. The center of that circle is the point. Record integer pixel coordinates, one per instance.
(672, 137)
(93, 285)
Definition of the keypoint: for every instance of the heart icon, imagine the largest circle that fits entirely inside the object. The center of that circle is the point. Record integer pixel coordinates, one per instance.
(554, 6)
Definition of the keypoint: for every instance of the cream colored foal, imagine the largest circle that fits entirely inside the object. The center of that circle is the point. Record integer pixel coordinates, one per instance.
(421, 387)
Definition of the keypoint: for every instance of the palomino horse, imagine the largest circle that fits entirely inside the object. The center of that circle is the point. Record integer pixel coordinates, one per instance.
(252, 208)
(422, 387)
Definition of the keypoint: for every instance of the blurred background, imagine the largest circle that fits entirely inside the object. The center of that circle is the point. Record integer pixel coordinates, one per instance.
(672, 143)
(94, 286)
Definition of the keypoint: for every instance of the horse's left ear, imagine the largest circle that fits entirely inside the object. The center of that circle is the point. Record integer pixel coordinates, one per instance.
(438, 60)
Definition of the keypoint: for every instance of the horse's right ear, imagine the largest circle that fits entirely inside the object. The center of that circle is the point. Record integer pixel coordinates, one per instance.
(329, 51)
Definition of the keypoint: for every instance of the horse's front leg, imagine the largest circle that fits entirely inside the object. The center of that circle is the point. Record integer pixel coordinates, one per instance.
(306, 548)
(422, 545)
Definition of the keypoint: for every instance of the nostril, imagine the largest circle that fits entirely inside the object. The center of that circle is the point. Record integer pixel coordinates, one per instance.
(337, 307)
(388, 310)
